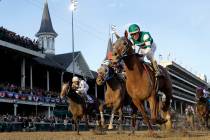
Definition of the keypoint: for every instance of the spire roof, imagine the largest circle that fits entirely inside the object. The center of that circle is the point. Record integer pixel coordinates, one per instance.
(109, 50)
(46, 24)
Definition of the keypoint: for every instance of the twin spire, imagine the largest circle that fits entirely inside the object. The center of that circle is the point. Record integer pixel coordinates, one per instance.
(46, 33)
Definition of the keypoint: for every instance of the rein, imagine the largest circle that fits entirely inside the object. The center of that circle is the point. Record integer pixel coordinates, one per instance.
(124, 55)
(109, 76)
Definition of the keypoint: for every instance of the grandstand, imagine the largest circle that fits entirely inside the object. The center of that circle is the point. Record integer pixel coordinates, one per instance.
(31, 74)
(184, 85)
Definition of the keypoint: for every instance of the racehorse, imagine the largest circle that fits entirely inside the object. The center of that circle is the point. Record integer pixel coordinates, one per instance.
(189, 111)
(115, 94)
(202, 109)
(141, 82)
(77, 106)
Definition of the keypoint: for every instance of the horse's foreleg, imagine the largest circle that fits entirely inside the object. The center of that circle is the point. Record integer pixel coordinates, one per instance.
(133, 123)
(154, 110)
(87, 121)
(77, 125)
(101, 109)
(120, 119)
(111, 120)
(140, 107)
(206, 120)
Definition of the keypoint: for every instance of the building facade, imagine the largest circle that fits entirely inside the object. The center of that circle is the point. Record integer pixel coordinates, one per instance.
(184, 84)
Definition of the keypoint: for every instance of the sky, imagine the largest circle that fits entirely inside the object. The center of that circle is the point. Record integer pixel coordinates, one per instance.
(180, 28)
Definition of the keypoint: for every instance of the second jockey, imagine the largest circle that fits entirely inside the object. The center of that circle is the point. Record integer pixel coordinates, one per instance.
(81, 88)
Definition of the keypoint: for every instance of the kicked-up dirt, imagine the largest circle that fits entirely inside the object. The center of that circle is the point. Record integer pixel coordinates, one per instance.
(109, 135)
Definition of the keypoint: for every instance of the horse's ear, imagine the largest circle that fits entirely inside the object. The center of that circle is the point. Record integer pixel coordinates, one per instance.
(117, 36)
(126, 34)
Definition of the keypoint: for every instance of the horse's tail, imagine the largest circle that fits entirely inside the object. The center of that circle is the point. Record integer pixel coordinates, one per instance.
(167, 89)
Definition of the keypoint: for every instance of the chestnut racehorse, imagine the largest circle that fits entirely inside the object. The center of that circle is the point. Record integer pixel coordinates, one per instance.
(77, 106)
(141, 82)
(114, 95)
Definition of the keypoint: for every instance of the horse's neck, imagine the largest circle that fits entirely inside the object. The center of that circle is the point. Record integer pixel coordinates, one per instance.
(133, 66)
(75, 98)
(113, 83)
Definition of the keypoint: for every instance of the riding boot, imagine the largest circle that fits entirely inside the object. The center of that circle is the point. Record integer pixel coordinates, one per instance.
(156, 68)
(85, 100)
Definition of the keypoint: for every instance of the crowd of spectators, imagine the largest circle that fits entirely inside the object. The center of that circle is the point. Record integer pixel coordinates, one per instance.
(12, 37)
(32, 123)
(38, 95)
(30, 119)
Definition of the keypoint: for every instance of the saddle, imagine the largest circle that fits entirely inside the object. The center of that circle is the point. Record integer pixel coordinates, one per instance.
(204, 101)
(149, 66)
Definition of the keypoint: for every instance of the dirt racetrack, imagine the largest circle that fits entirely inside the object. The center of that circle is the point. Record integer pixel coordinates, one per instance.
(111, 135)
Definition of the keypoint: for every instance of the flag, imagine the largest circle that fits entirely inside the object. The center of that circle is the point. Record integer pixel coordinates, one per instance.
(113, 29)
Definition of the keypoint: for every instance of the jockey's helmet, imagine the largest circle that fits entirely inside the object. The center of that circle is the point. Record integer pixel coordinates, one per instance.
(75, 79)
(199, 89)
(133, 28)
(106, 62)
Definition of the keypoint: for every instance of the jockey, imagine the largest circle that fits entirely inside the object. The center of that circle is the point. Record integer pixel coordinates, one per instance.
(81, 87)
(143, 44)
(189, 110)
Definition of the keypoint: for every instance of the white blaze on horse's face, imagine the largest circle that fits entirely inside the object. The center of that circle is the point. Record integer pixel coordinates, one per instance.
(103, 72)
(64, 90)
(115, 54)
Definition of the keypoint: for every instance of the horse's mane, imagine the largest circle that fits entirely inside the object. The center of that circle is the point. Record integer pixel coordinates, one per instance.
(75, 97)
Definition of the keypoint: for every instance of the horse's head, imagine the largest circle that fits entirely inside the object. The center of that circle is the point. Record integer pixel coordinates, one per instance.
(199, 92)
(103, 74)
(121, 48)
(64, 90)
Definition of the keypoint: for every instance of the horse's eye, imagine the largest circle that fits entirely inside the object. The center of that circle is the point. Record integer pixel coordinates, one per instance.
(125, 43)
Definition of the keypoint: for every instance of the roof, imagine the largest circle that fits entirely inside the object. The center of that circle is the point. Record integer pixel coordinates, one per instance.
(109, 50)
(94, 74)
(66, 61)
(48, 61)
(46, 24)
(174, 64)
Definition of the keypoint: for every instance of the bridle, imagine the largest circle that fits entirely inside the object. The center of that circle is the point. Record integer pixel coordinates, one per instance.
(127, 45)
(108, 75)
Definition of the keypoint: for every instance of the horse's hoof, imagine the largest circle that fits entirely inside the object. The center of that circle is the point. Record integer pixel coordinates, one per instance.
(161, 121)
(110, 127)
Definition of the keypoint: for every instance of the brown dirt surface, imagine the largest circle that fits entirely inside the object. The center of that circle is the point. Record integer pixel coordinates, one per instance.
(110, 135)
